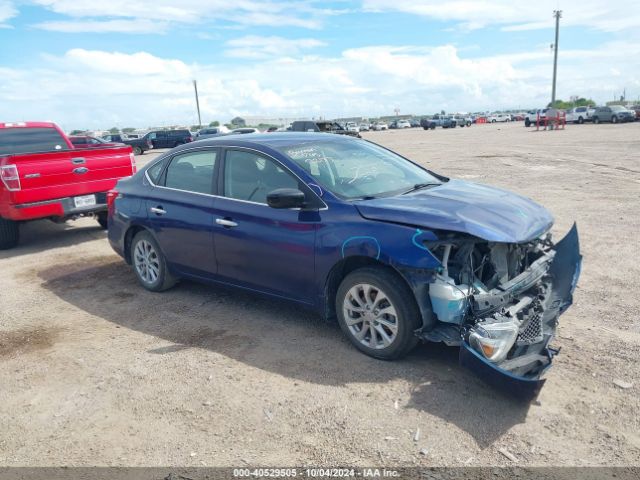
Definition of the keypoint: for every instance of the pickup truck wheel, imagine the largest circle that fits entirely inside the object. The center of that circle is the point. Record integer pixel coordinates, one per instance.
(580, 120)
(102, 219)
(137, 151)
(433, 127)
(149, 263)
(9, 234)
(378, 313)
(527, 122)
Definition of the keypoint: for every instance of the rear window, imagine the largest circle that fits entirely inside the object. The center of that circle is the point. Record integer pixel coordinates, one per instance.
(178, 133)
(27, 140)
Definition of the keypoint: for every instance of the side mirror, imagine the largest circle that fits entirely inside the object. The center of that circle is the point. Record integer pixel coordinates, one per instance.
(286, 198)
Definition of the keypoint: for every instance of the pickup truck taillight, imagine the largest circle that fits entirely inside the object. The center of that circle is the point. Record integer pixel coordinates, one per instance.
(10, 177)
(111, 198)
(134, 168)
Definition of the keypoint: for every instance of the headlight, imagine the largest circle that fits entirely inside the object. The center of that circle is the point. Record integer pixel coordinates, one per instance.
(494, 339)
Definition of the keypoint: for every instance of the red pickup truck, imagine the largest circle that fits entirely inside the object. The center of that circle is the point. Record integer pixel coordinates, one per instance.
(42, 175)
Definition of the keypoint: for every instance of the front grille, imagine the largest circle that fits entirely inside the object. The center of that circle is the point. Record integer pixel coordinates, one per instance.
(531, 332)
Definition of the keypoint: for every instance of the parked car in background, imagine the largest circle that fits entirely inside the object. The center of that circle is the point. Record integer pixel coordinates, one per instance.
(168, 138)
(352, 127)
(444, 121)
(86, 141)
(208, 132)
(613, 114)
(636, 110)
(517, 117)
(414, 122)
(403, 124)
(321, 126)
(43, 175)
(462, 120)
(499, 117)
(427, 124)
(244, 130)
(579, 114)
(271, 129)
(396, 253)
(378, 126)
(364, 127)
(534, 116)
(139, 145)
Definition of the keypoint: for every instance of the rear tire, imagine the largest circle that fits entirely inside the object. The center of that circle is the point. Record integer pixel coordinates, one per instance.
(372, 291)
(149, 263)
(596, 120)
(137, 151)
(527, 122)
(102, 219)
(9, 234)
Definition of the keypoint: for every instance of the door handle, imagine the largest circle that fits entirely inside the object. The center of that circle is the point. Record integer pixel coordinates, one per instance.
(226, 223)
(80, 170)
(158, 210)
(78, 160)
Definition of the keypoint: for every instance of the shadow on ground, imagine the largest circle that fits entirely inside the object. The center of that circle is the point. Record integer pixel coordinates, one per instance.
(281, 338)
(43, 235)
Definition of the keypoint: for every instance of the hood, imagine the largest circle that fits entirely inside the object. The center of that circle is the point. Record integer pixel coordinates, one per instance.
(486, 212)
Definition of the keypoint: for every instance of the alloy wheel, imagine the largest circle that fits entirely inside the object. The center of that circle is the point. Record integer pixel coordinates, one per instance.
(146, 262)
(370, 316)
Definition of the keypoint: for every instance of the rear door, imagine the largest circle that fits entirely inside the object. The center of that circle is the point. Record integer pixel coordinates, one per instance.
(180, 211)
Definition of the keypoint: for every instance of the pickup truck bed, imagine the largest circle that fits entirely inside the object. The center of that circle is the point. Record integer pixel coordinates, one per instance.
(61, 184)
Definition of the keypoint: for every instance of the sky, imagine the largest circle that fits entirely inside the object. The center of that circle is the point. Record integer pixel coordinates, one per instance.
(131, 63)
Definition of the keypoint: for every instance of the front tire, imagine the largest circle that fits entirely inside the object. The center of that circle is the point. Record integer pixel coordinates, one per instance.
(614, 119)
(378, 313)
(580, 120)
(596, 120)
(9, 234)
(149, 263)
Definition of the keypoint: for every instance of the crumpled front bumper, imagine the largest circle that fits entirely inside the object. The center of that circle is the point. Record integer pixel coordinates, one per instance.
(563, 274)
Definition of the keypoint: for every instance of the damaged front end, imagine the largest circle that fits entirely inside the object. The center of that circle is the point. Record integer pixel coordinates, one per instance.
(503, 300)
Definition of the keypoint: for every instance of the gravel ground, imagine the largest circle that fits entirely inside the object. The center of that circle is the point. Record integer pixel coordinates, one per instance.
(97, 371)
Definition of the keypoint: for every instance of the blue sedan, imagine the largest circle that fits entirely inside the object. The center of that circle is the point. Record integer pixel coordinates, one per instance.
(396, 253)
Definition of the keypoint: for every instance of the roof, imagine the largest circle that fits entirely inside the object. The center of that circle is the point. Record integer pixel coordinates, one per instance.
(27, 125)
(273, 140)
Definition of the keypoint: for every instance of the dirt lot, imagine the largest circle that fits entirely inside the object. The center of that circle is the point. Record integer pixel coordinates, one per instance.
(97, 371)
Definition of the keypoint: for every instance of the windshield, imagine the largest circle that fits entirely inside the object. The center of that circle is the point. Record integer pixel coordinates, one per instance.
(354, 170)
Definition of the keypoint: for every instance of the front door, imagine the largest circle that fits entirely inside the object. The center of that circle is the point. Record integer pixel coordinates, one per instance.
(180, 212)
(259, 247)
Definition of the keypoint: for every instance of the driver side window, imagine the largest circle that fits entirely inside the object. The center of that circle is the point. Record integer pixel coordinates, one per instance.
(251, 177)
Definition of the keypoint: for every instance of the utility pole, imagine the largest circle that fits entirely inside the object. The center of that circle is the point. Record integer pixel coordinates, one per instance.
(557, 14)
(195, 87)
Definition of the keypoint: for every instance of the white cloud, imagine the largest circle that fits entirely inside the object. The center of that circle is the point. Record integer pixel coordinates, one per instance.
(7, 12)
(605, 15)
(122, 16)
(136, 26)
(97, 89)
(253, 46)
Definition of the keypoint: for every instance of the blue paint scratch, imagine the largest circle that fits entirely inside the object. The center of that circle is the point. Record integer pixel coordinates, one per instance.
(362, 238)
(415, 242)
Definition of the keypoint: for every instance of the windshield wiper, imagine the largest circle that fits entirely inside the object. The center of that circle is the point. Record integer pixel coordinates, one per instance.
(420, 186)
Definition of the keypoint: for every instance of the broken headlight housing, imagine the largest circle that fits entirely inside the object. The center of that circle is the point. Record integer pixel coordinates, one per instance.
(494, 339)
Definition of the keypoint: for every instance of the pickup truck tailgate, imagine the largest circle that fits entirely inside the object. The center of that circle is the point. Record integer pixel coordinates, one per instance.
(69, 173)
